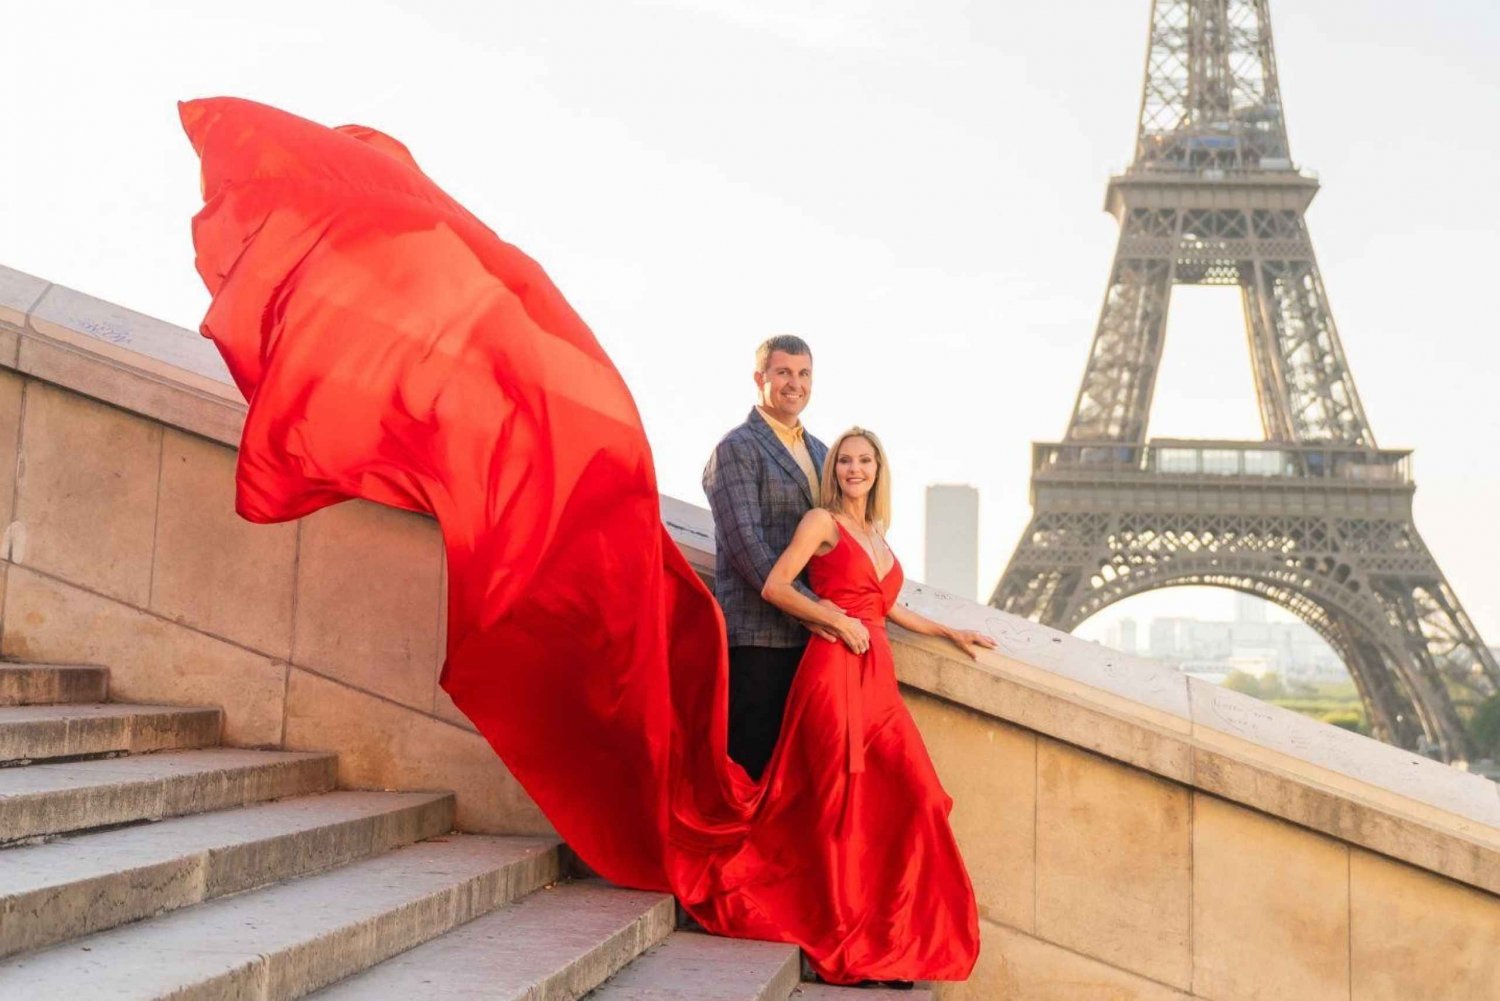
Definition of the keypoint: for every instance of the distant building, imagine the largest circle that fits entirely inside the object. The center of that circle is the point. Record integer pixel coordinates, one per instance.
(953, 539)
(1248, 608)
(1176, 638)
(1291, 649)
(1212, 671)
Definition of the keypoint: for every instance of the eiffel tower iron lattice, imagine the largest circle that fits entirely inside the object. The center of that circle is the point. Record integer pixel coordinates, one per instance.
(1316, 518)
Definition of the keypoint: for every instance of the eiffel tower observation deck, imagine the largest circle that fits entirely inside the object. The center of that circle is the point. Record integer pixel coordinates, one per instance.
(1316, 518)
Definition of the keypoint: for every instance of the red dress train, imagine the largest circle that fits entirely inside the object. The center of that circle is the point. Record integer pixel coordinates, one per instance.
(392, 348)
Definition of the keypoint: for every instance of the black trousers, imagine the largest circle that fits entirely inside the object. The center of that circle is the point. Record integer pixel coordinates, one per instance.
(759, 679)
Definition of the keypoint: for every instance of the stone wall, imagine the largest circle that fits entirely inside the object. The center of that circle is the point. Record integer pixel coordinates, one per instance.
(1132, 834)
(1099, 880)
(124, 550)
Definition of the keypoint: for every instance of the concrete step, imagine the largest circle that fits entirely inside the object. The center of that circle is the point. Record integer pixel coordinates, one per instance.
(828, 992)
(39, 684)
(559, 943)
(286, 940)
(692, 966)
(81, 795)
(73, 886)
(38, 732)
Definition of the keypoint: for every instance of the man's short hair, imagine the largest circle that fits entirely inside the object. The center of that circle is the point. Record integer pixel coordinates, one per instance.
(790, 343)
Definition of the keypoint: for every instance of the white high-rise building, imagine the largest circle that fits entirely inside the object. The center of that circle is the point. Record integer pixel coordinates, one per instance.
(1248, 608)
(953, 539)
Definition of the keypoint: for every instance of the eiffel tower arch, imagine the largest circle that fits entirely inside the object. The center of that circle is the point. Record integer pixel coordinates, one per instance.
(1315, 518)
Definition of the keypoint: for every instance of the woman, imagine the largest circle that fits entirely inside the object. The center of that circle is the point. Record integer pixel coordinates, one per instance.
(851, 848)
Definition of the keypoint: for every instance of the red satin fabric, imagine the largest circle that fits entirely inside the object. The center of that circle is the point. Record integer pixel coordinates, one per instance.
(391, 347)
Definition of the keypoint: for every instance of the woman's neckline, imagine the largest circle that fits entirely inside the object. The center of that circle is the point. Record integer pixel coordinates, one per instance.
(869, 557)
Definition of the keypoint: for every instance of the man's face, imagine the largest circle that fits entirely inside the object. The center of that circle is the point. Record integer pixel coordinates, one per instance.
(786, 385)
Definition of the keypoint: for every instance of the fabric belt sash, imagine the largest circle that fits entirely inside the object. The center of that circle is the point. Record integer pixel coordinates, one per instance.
(855, 701)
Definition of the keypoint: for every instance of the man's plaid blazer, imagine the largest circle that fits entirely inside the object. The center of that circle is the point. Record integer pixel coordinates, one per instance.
(758, 495)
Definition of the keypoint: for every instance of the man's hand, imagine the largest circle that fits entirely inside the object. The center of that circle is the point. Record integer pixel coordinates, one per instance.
(817, 629)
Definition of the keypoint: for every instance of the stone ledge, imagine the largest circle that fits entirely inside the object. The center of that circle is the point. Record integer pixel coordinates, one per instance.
(71, 317)
(116, 355)
(18, 293)
(1132, 710)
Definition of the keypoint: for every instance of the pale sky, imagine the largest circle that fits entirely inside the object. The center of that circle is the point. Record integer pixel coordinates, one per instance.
(915, 187)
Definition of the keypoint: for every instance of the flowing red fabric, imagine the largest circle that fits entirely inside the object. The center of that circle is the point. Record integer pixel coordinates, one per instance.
(392, 348)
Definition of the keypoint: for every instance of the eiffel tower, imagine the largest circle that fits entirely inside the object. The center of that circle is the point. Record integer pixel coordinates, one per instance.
(1316, 517)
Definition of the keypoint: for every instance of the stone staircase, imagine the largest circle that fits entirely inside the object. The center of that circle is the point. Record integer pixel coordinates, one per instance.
(140, 860)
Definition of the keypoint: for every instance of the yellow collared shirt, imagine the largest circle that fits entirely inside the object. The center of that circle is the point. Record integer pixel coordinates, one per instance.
(795, 441)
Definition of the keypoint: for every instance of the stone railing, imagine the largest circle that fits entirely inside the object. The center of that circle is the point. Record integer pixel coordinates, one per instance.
(1132, 833)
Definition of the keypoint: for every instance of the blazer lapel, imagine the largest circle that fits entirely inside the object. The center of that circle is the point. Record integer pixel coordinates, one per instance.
(781, 454)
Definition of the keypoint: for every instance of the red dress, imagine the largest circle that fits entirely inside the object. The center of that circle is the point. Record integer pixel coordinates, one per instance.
(391, 347)
(850, 854)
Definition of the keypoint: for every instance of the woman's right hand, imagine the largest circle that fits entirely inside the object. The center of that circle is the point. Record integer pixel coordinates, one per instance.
(853, 633)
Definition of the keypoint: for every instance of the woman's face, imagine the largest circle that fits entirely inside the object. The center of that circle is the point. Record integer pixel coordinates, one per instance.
(855, 466)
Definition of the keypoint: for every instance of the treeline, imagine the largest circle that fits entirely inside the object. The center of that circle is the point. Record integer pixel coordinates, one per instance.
(1339, 703)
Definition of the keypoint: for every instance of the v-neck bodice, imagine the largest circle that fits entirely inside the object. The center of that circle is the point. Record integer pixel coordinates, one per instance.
(846, 576)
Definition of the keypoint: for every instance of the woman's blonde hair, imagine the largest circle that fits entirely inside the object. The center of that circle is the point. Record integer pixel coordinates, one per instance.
(831, 493)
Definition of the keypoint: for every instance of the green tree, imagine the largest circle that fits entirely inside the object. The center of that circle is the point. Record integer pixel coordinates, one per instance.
(1242, 682)
(1485, 728)
(1301, 690)
(1348, 719)
(1271, 686)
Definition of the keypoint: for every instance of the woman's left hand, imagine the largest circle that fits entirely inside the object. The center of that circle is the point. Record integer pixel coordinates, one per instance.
(967, 639)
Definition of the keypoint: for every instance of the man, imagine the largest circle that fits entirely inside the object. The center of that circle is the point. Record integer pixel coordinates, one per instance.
(761, 479)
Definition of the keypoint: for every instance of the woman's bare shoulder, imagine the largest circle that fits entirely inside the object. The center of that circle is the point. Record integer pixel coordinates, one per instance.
(818, 516)
(819, 520)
